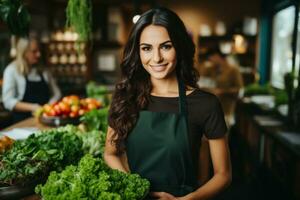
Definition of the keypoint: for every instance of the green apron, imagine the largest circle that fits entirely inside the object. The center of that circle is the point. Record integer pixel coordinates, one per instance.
(158, 149)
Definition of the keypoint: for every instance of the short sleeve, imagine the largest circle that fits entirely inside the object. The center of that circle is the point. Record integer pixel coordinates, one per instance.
(215, 126)
(9, 88)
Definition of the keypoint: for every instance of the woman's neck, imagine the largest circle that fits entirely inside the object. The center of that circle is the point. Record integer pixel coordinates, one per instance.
(165, 87)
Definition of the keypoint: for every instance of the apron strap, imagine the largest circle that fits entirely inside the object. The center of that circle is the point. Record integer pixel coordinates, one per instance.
(182, 98)
(183, 110)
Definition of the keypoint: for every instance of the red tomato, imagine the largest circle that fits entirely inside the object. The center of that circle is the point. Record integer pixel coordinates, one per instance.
(81, 111)
(45, 115)
(74, 97)
(47, 108)
(65, 108)
(98, 104)
(73, 114)
(65, 99)
(74, 108)
(57, 109)
(91, 106)
(52, 112)
(83, 103)
(74, 102)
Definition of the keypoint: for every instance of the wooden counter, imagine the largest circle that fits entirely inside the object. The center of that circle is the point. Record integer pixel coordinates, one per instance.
(272, 148)
(30, 122)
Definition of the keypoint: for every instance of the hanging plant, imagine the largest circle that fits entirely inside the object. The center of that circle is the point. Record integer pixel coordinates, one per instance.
(15, 16)
(79, 18)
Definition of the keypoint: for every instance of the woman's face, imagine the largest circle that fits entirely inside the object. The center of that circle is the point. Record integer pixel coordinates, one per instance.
(157, 52)
(32, 54)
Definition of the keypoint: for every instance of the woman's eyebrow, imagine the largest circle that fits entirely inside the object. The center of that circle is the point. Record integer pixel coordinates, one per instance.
(159, 44)
(145, 44)
(166, 42)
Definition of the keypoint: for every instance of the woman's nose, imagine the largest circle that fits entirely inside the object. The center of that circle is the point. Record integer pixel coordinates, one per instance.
(157, 57)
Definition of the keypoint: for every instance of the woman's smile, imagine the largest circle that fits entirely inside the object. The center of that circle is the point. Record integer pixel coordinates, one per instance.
(157, 53)
(159, 68)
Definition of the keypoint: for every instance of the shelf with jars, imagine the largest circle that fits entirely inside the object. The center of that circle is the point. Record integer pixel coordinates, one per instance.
(68, 61)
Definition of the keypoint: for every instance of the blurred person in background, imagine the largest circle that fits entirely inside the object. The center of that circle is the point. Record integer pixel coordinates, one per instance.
(226, 79)
(26, 84)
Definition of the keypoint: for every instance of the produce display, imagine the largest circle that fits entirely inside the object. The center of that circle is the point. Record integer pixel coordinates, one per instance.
(70, 106)
(48, 150)
(92, 179)
(72, 155)
(39, 154)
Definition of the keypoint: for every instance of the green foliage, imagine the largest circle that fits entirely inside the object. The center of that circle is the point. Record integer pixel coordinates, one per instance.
(99, 92)
(16, 16)
(48, 150)
(40, 153)
(79, 17)
(93, 179)
(257, 89)
(96, 119)
(281, 96)
(93, 142)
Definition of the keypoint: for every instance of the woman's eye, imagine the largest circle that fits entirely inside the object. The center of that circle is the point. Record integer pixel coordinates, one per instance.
(145, 48)
(166, 47)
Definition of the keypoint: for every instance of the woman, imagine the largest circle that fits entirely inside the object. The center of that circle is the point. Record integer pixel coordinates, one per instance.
(158, 115)
(26, 86)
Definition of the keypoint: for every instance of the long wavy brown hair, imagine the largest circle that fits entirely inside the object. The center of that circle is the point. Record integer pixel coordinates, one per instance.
(132, 92)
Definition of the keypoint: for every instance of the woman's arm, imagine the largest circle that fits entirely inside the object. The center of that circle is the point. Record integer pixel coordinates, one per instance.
(111, 157)
(222, 171)
(26, 107)
(55, 91)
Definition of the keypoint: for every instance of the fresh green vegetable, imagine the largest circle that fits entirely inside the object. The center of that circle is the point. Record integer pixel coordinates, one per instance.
(99, 92)
(40, 153)
(93, 142)
(93, 179)
(79, 17)
(16, 16)
(96, 119)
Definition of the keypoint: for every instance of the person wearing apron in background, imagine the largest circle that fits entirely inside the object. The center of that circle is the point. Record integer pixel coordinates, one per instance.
(26, 86)
(158, 114)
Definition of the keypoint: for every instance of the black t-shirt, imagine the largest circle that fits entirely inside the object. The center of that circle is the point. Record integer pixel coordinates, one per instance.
(205, 116)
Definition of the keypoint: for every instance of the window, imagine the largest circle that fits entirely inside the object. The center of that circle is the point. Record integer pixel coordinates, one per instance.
(282, 52)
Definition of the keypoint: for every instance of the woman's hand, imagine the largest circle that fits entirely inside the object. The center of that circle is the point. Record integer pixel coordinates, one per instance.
(163, 196)
(167, 196)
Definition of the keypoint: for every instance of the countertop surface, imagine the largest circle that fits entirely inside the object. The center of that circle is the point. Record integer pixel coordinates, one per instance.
(274, 126)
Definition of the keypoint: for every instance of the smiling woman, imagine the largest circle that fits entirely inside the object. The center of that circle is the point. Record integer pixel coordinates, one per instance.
(158, 114)
(157, 53)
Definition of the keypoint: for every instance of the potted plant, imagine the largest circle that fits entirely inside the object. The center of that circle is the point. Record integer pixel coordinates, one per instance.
(15, 16)
(79, 18)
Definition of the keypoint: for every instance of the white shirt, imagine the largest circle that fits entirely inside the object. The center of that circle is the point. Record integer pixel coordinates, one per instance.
(14, 84)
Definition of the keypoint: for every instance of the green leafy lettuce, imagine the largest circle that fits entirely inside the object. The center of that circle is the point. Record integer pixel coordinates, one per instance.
(93, 179)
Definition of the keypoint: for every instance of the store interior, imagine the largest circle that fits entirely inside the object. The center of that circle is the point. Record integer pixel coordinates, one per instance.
(259, 37)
